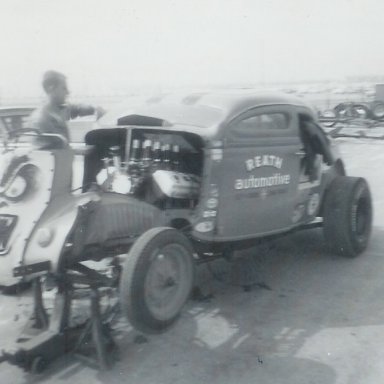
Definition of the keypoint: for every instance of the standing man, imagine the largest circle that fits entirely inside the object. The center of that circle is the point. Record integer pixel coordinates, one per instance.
(53, 116)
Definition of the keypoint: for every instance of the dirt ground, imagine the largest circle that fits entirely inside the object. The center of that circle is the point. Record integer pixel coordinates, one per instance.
(309, 317)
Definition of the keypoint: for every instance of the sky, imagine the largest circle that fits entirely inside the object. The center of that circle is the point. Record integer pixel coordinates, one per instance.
(112, 46)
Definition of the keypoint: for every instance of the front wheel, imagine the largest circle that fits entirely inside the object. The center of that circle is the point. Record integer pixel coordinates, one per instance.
(331, 115)
(347, 218)
(157, 279)
(360, 111)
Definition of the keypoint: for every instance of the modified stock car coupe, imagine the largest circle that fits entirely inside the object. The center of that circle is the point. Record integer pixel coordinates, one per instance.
(167, 183)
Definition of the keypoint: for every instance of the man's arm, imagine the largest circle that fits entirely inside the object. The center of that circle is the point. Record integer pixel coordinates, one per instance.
(78, 110)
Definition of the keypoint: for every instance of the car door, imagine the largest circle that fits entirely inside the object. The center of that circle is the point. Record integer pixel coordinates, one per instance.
(260, 173)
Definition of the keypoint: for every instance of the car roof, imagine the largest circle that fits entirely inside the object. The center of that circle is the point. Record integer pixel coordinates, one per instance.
(200, 112)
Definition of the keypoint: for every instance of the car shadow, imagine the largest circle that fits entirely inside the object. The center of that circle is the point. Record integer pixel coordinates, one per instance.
(286, 328)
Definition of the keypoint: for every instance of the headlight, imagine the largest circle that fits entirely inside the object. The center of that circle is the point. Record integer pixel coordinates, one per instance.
(44, 236)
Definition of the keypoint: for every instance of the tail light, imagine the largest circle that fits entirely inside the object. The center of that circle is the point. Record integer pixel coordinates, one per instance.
(44, 236)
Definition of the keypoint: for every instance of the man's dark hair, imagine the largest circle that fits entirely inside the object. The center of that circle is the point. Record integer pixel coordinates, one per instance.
(51, 79)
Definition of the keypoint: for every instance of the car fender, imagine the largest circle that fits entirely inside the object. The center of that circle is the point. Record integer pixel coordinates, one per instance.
(51, 233)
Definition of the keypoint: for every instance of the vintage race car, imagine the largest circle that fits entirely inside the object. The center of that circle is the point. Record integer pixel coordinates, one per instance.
(13, 118)
(174, 180)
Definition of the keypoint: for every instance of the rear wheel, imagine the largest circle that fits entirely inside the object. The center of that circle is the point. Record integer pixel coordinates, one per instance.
(347, 216)
(157, 279)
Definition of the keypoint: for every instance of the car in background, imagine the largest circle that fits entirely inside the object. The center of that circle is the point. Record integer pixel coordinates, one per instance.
(15, 118)
(12, 118)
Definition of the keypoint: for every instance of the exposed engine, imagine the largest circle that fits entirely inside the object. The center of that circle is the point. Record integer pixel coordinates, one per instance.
(153, 170)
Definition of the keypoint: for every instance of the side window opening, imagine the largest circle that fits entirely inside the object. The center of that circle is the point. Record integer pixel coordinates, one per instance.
(315, 144)
(261, 124)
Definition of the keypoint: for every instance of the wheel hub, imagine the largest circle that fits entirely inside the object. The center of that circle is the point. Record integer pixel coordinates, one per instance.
(166, 286)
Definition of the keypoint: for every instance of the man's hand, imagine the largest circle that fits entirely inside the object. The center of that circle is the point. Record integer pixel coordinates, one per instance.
(99, 112)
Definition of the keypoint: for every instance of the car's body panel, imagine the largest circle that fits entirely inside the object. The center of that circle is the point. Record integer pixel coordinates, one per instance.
(201, 113)
(213, 116)
(288, 195)
(28, 212)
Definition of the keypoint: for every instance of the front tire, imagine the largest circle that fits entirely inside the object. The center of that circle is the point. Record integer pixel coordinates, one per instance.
(157, 279)
(329, 113)
(360, 111)
(347, 218)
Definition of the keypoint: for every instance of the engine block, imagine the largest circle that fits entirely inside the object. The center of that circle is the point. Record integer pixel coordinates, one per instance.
(177, 185)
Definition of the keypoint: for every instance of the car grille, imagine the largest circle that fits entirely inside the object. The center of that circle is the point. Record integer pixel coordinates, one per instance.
(7, 223)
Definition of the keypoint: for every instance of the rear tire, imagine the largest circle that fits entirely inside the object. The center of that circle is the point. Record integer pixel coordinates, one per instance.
(347, 218)
(157, 279)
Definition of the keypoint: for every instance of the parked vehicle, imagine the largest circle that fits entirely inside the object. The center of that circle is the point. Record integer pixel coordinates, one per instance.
(369, 114)
(13, 118)
(166, 184)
